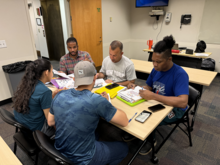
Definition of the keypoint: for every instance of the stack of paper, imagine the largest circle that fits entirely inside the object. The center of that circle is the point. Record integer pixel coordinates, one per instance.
(131, 95)
(201, 54)
(100, 83)
(65, 83)
(61, 74)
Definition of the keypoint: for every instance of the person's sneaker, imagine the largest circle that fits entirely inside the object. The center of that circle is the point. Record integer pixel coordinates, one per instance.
(128, 137)
(146, 149)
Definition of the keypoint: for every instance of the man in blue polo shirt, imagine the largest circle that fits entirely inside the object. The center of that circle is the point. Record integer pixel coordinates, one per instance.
(76, 113)
(167, 83)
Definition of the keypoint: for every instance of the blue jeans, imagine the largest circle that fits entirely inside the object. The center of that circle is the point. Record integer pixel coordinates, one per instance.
(110, 153)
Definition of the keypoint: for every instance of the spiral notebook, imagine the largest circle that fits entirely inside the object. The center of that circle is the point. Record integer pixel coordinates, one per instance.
(131, 95)
(131, 104)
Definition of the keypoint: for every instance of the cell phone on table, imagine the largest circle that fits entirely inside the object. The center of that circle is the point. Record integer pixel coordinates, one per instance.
(156, 107)
(111, 86)
(143, 116)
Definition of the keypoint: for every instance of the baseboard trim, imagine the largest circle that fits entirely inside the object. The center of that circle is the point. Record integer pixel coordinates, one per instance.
(3, 102)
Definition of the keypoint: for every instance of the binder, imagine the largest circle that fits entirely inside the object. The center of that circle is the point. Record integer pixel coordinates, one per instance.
(112, 92)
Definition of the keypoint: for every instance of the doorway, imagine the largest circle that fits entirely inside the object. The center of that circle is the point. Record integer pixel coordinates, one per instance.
(87, 27)
(53, 28)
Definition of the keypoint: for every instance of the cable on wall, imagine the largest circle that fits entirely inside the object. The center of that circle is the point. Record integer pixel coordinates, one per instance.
(160, 28)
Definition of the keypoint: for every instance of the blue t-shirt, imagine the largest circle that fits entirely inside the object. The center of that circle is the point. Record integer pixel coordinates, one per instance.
(39, 100)
(174, 82)
(77, 114)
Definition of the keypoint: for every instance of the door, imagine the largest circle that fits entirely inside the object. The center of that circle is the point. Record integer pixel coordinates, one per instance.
(87, 27)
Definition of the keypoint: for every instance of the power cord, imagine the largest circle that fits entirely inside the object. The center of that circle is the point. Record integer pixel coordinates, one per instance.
(154, 24)
(160, 28)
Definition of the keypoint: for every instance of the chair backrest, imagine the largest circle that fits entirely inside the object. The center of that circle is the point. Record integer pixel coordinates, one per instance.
(8, 117)
(47, 146)
(193, 96)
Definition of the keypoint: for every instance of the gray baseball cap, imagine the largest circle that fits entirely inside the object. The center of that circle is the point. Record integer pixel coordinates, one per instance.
(84, 73)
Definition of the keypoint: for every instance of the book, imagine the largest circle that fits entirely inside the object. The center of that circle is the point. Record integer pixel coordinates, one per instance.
(62, 83)
(131, 95)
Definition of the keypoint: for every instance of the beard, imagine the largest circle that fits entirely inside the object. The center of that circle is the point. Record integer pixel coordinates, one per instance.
(73, 53)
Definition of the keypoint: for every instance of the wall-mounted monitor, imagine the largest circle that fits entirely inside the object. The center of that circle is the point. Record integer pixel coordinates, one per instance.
(151, 3)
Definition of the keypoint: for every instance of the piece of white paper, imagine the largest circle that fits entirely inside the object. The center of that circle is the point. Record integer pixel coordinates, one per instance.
(68, 83)
(109, 99)
(100, 83)
(201, 54)
(71, 75)
(60, 74)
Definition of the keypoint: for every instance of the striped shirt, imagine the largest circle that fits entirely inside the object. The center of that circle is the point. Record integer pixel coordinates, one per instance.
(67, 63)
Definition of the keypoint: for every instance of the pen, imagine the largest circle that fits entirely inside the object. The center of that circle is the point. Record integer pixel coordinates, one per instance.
(132, 117)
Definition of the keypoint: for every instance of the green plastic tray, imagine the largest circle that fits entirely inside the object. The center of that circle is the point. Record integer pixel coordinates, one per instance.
(131, 104)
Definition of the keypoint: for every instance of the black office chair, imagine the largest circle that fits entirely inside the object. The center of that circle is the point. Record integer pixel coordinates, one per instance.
(193, 98)
(47, 146)
(23, 138)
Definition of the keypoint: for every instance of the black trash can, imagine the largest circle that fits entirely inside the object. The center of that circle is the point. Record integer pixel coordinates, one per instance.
(14, 73)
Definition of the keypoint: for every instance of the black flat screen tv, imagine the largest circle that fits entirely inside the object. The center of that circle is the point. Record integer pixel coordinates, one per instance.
(151, 3)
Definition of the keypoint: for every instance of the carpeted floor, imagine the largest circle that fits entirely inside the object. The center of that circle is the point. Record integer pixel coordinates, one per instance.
(176, 151)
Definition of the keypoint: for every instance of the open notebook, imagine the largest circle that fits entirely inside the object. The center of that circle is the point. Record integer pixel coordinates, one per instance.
(131, 95)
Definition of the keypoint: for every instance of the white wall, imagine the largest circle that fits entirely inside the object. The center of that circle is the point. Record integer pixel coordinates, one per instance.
(16, 30)
(142, 25)
(40, 39)
(142, 28)
(119, 28)
(133, 26)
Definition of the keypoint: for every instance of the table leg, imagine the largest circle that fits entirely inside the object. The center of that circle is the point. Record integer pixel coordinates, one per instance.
(154, 159)
(138, 150)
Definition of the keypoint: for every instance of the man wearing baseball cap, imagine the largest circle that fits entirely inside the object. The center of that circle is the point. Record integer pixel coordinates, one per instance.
(76, 113)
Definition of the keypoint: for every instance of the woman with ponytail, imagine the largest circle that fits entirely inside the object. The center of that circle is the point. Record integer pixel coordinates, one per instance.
(32, 100)
(167, 83)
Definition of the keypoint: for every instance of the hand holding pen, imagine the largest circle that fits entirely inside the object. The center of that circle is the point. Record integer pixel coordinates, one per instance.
(131, 86)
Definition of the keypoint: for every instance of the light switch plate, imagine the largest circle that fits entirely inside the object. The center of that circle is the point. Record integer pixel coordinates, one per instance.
(3, 44)
(168, 17)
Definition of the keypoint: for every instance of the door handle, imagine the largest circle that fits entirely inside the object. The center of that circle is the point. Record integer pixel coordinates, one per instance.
(100, 41)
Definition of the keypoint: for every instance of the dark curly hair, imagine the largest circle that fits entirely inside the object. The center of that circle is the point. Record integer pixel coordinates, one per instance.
(33, 73)
(165, 46)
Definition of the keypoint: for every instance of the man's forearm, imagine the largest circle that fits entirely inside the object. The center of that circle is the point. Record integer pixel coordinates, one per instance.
(101, 75)
(147, 87)
(170, 100)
